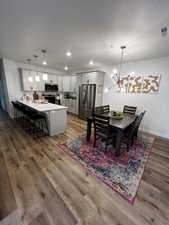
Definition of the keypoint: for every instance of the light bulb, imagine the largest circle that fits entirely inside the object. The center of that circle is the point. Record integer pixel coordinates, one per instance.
(68, 53)
(44, 63)
(30, 79)
(45, 76)
(66, 68)
(106, 90)
(115, 71)
(91, 63)
(37, 78)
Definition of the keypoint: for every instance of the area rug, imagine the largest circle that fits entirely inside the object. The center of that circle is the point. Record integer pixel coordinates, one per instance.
(122, 174)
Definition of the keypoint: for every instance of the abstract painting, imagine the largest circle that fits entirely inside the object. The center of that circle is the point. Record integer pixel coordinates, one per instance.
(140, 84)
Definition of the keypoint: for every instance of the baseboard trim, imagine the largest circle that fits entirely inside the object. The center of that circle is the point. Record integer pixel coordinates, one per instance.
(154, 135)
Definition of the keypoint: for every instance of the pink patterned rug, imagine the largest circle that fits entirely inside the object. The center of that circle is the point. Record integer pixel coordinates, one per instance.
(122, 174)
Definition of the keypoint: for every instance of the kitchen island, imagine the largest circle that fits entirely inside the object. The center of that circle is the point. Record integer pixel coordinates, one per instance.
(56, 115)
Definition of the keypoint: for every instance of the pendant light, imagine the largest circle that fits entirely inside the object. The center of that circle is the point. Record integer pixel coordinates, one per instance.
(44, 62)
(45, 76)
(37, 78)
(117, 74)
(30, 78)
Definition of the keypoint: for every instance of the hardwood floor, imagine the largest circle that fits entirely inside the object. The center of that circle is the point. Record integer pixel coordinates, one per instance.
(41, 185)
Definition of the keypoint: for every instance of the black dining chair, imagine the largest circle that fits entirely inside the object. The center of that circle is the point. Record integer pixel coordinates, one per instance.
(98, 110)
(102, 109)
(102, 129)
(106, 108)
(129, 109)
(138, 123)
(131, 133)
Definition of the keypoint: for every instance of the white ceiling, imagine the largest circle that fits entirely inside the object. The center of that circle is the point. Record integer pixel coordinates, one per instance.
(86, 27)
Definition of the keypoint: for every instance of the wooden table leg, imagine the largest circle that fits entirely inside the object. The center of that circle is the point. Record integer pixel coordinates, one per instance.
(89, 128)
(118, 142)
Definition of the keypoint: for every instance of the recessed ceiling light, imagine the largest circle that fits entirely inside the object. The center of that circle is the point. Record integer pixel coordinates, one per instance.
(68, 53)
(44, 63)
(66, 68)
(91, 63)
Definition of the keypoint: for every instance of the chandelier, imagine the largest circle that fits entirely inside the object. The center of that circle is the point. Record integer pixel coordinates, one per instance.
(116, 77)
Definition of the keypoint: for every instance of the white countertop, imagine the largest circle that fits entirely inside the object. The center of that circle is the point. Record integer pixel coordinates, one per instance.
(43, 107)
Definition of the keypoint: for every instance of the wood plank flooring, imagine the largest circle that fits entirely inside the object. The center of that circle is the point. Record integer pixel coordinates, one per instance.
(41, 185)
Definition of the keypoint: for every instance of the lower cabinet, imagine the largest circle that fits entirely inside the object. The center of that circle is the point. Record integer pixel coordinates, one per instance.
(71, 104)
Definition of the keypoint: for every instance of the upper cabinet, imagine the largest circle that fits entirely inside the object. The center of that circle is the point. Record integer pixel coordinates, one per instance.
(52, 79)
(41, 83)
(98, 79)
(28, 79)
(30, 84)
(73, 83)
(60, 83)
(93, 78)
(69, 83)
(89, 78)
(66, 83)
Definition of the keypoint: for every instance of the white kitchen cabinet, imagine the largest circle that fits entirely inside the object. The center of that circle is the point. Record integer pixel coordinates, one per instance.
(41, 83)
(73, 83)
(92, 77)
(32, 84)
(89, 78)
(66, 83)
(29, 85)
(60, 83)
(52, 79)
(70, 104)
(85, 79)
(73, 106)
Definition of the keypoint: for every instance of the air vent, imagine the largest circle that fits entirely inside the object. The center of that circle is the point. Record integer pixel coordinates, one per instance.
(164, 31)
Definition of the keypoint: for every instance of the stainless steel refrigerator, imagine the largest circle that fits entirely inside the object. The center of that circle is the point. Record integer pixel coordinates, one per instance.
(87, 97)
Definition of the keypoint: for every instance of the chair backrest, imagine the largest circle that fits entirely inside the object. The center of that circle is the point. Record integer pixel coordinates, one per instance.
(129, 109)
(102, 109)
(136, 124)
(106, 108)
(14, 104)
(98, 110)
(101, 123)
(139, 119)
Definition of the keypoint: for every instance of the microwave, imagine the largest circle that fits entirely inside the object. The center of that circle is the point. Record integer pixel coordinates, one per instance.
(51, 87)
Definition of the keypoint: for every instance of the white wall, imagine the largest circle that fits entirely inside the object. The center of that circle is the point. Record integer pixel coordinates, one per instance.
(13, 80)
(156, 119)
(3, 88)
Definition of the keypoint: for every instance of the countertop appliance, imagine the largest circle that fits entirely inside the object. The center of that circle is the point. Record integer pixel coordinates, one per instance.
(55, 99)
(87, 97)
(51, 87)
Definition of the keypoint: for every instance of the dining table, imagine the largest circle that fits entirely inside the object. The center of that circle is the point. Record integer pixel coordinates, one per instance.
(118, 125)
